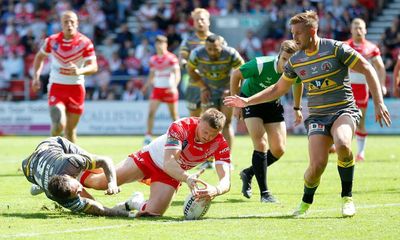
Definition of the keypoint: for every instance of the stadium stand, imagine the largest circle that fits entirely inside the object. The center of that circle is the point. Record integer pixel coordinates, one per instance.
(122, 32)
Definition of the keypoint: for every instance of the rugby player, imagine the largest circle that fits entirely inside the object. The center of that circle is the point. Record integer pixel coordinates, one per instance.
(55, 165)
(265, 121)
(165, 162)
(210, 66)
(72, 56)
(164, 76)
(322, 65)
(359, 85)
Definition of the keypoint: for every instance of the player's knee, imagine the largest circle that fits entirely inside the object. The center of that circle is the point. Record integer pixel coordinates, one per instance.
(278, 152)
(342, 148)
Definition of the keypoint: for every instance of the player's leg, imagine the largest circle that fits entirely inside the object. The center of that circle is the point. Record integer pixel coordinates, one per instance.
(160, 198)
(342, 132)
(361, 96)
(70, 127)
(173, 110)
(127, 171)
(361, 136)
(255, 126)
(192, 97)
(153, 106)
(318, 148)
(58, 119)
(228, 131)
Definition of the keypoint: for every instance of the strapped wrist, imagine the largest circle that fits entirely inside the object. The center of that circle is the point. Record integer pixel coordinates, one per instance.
(297, 108)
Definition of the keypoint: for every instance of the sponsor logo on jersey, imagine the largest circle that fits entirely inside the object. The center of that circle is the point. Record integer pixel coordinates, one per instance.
(326, 66)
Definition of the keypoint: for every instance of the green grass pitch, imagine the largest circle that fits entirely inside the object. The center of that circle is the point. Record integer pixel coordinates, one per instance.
(231, 216)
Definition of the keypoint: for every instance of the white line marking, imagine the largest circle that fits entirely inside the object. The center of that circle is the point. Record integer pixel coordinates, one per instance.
(273, 214)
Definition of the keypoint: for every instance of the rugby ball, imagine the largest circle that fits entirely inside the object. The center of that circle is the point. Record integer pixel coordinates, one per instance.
(193, 210)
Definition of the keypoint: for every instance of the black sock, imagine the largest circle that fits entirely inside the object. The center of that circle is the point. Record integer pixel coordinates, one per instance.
(308, 196)
(271, 158)
(346, 177)
(259, 161)
(249, 172)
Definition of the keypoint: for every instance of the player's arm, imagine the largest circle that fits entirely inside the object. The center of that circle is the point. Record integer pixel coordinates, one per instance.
(271, 93)
(37, 69)
(97, 209)
(224, 175)
(172, 167)
(377, 63)
(236, 81)
(364, 67)
(109, 171)
(193, 73)
(297, 95)
(150, 81)
(183, 57)
(89, 68)
(177, 72)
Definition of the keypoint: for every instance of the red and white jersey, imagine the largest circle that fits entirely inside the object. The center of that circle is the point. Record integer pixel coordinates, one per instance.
(181, 135)
(62, 52)
(369, 51)
(163, 66)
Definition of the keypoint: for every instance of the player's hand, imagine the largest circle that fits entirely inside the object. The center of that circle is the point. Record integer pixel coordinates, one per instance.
(298, 117)
(112, 189)
(382, 114)
(235, 101)
(36, 85)
(193, 179)
(207, 192)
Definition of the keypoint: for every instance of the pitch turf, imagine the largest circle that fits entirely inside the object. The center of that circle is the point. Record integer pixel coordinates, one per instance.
(231, 216)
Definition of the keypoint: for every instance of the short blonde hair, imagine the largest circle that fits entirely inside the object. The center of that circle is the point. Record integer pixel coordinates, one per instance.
(289, 46)
(214, 118)
(198, 11)
(308, 18)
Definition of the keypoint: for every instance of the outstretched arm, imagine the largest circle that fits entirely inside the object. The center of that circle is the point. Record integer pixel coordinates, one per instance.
(381, 71)
(271, 93)
(98, 209)
(381, 113)
(109, 171)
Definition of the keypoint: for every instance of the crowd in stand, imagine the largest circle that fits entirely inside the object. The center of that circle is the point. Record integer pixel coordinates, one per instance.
(123, 49)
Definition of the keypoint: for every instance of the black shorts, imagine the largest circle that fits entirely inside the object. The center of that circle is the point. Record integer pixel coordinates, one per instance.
(269, 112)
(322, 124)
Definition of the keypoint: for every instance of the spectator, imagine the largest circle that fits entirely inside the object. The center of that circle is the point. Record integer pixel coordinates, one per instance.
(103, 92)
(146, 13)
(356, 10)
(132, 91)
(174, 40)
(133, 64)
(153, 32)
(229, 9)
(163, 16)
(336, 8)
(250, 46)
(123, 34)
(213, 9)
(13, 65)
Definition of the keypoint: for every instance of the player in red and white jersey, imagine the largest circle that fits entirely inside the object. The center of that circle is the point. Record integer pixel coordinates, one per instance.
(164, 76)
(72, 56)
(359, 85)
(165, 161)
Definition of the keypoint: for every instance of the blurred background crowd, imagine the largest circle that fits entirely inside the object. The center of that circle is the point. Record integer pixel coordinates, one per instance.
(124, 31)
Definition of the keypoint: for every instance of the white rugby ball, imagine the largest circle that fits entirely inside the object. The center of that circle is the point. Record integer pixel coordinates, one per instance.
(193, 210)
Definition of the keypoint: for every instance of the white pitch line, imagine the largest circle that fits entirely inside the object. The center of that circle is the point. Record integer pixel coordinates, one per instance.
(273, 214)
